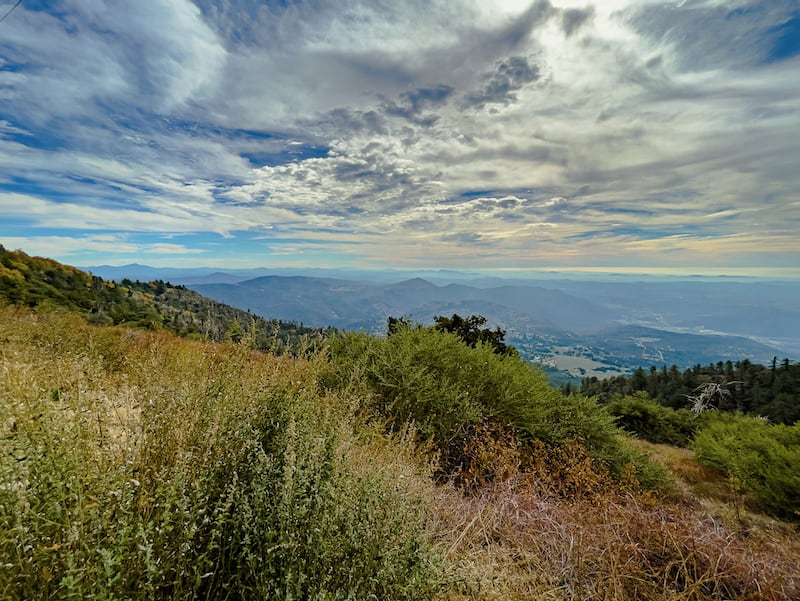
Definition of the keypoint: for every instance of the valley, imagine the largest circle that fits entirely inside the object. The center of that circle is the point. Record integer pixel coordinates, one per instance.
(599, 326)
(573, 329)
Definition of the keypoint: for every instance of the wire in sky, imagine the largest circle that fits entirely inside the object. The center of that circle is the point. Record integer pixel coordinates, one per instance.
(11, 10)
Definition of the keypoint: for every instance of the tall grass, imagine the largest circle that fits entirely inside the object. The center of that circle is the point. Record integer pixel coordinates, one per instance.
(139, 466)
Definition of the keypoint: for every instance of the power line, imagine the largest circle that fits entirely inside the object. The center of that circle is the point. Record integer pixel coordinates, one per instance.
(11, 10)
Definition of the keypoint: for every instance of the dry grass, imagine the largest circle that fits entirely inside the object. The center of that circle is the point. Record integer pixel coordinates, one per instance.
(549, 537)
(700, 480)
(517, 543)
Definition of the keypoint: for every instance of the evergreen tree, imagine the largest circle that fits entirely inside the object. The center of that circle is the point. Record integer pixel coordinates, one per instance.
(771, 391)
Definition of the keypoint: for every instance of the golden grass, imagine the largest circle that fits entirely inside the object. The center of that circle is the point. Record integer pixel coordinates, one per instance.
(523, 539)
(128, 460)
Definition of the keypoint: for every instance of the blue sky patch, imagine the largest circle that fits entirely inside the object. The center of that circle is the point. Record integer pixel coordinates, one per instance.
(288, 155)
(787, 40)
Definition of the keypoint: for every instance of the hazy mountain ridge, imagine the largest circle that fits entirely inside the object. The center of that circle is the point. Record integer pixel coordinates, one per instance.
(547, 325)
(350, 304)
(764, 310)
(573, 327)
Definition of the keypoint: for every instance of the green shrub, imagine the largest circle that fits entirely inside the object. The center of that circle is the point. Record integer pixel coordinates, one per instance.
(760, 458)
(447, 389)
(283, 514)
(646, 419)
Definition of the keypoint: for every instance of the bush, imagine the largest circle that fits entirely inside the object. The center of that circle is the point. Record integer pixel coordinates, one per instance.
(760, 458)
(650, 421)
(449, 391)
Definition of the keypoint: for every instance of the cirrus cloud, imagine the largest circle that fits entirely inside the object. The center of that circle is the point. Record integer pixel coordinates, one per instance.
(554, 133)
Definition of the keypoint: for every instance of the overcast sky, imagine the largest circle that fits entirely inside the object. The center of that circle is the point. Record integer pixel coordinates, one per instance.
(601, 134)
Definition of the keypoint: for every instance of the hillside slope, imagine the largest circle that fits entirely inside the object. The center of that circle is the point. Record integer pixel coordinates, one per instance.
(138, 465)
(33, 281)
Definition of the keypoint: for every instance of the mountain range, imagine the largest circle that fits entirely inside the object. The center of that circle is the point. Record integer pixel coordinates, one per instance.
(547, 325)
(573, 327)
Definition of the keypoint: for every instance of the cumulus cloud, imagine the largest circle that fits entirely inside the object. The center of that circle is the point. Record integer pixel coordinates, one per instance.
(413, 103)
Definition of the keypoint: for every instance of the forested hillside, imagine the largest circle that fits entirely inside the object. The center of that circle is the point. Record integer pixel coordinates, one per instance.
(33, 281)
(771, 391)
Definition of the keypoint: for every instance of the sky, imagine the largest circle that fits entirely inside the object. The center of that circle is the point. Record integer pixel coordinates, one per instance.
(622, 135)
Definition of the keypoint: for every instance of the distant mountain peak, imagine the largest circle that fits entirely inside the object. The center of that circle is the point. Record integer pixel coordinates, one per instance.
(413, 283)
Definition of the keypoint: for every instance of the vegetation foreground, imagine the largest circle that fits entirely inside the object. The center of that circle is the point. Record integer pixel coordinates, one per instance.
(138, 465)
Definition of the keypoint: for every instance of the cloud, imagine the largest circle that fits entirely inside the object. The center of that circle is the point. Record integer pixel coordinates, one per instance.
(413, 103)
(558, 131)
(7, 130)
(157, 53)
(509, 76)
(710, 35)
(50, 246)
(573, 18)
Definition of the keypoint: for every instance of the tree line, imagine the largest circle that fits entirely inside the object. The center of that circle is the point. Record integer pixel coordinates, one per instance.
(771, 391)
